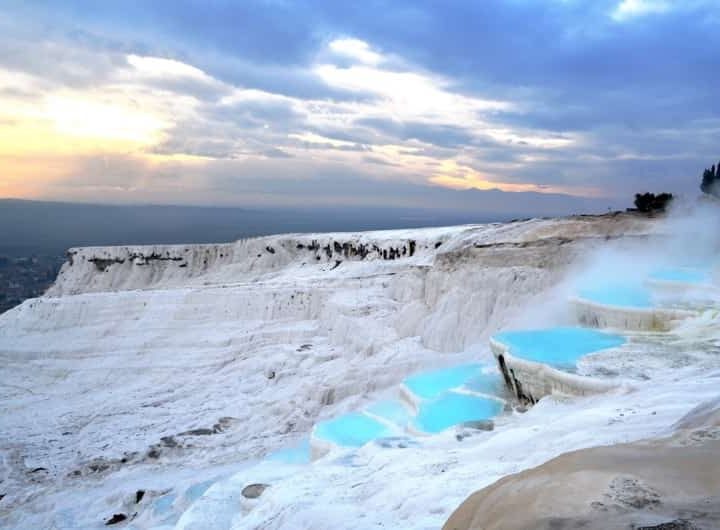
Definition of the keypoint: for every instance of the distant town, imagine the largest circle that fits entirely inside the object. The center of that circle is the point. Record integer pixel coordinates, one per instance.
(26, 277)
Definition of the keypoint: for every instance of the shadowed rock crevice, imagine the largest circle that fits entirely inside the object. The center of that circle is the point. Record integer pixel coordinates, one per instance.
(513, 384)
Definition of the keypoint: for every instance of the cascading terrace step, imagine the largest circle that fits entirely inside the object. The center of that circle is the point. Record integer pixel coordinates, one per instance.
(535, 363)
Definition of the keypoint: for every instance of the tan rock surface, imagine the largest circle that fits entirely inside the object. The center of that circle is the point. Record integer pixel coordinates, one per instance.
(638, 485)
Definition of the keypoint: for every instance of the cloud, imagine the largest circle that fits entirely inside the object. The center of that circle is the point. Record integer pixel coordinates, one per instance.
(629, 9)
(355, 49)
(633, 8)
(587, 97)
(442, 135)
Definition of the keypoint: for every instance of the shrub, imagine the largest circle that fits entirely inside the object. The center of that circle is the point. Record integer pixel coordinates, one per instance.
(711, 181)
(649, 202)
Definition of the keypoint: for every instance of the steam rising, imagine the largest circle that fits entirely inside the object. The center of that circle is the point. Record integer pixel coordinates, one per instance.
(685, 243)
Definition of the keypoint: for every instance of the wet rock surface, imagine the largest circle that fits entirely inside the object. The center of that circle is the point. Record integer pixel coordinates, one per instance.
(253, 491)
(115, 519)
(479, 425)
(678, 524)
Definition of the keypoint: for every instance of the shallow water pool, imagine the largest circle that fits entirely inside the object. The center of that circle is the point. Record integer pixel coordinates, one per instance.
(164, 505)
(297, 454)
(559, 347)
(453, 408)
(485, 383)
(429, 385)
(351, 430)
(196, 491)
(684, 275)
(390, 410)
(618, 295)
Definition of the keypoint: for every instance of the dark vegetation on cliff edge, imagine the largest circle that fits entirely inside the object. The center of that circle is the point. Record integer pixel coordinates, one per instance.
(711, 181)
(649, 202)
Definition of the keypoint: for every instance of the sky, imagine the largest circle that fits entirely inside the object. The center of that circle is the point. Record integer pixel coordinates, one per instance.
(321, 102)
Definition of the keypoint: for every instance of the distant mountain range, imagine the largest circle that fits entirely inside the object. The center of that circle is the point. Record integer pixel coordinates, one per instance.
(43, 228)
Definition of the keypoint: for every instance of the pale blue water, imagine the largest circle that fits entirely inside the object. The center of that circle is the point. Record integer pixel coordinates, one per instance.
(452, 408)
(560, 347)
(163, 505)
(487, 383)
(351, 430)
(196, 491)
(349, 460)
(391, 410)
(65, 519)
(685, 275)
(297, 454)
(618, 295)
(429, 385)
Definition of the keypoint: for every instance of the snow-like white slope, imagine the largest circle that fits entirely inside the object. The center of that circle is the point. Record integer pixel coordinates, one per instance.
(157, 368)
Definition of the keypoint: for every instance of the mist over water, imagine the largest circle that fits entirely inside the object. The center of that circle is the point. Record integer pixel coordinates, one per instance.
(683, 246)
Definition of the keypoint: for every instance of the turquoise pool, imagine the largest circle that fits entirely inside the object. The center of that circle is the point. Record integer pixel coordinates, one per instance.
(685, 275)
(390, 410)
(485, 383)
(440, 407)
(163, 505)
(453, 408)
(559, 347)
(196, 491)
(297, 454)
(618, 295)
(351, 430)
(429, 385)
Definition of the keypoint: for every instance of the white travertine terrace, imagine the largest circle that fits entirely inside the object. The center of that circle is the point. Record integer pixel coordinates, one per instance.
(598, 315)
(677, 290)
(530, 381)
(320, 447)
(168, 368)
